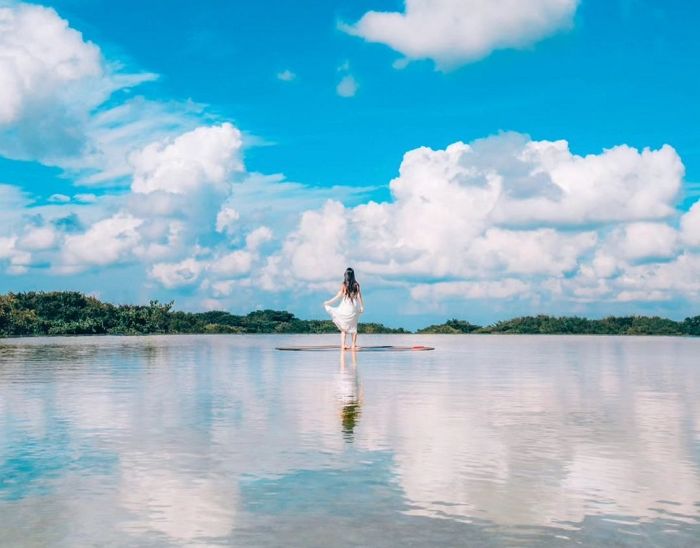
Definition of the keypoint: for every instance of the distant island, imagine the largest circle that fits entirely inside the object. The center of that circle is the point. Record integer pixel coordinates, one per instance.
(73, 313)
(572, 325)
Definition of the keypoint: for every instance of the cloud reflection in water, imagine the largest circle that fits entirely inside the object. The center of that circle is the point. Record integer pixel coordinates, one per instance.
(219, 439)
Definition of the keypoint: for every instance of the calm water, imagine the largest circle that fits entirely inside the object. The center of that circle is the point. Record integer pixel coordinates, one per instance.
(221, 440)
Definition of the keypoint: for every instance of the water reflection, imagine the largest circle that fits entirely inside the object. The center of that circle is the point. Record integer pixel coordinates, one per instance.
(222, 440)
(349, 395)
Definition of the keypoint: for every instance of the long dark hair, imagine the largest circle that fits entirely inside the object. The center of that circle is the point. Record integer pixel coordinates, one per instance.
(350, 286)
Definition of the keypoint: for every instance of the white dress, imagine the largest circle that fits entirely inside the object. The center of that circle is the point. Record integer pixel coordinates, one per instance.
(346, 314)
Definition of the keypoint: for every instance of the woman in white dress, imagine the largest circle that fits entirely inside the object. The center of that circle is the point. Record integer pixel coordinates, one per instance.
(346, 314)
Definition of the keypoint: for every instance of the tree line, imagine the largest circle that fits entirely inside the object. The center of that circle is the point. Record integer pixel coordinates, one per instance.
(73, 313)
(573, 325)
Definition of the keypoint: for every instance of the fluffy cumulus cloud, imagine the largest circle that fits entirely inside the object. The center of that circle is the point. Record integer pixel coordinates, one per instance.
(505, 218)
(106, 242)
(258, 237)
(645, 241)
(12, 198)
(454, 32)
(226, 219)
(509, 203)
(171, 275)
(690, 225)
(38, 238)
(39, 53)
(502, 289)
(57, 107)
(218, 270)
(178, 184)
(312, 253)
(508, 217)
(51, 79)
(205, 156)
(16, 260)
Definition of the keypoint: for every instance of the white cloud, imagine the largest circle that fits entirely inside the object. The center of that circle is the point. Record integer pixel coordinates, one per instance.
(347, 87)
(252, 197)
(314, 252)
(604, 264)
(216, 268)
(39, 53)
(507, 216)
(258, 237)
(162, 238)
(286, 76)
(500, 218)
(501, 289)
(690, 226)
(173, 275)
(12, 198)
(17, 259)
(513, 180)
(179, 184)
(50, 82)
(88, 198)
(226, 219)
(644, 241)
(205, 156)
(454, 32)
(620, 184)
(530, 252)
(113, 134)
(106, 242)
(455, 210)
(233, 264)
(38, 238)
(223, 289)
(664, 280)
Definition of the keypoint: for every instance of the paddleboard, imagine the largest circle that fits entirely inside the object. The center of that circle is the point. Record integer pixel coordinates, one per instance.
(382, 348)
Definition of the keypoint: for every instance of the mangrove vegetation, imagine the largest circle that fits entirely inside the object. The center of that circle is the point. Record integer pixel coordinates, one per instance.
(73, 313)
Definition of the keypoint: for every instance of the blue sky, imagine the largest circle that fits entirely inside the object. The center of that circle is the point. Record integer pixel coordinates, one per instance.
(597, 75)
(623, 74)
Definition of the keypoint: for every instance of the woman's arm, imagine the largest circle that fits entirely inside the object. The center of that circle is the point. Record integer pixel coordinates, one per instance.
(359, 295)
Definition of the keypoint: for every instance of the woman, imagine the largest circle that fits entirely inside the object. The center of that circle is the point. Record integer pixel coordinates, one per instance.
(345, 315)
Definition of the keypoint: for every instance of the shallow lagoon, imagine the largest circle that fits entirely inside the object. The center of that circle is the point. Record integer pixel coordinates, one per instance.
(487, 441)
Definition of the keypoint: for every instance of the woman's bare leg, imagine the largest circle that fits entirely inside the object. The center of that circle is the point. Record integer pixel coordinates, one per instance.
(354, 340)
(342, 340)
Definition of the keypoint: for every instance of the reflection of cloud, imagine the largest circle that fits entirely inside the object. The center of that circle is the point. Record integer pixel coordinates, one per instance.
(33, 465)
(522, 444)
(197, 438)
(182, 505)
(326, 491)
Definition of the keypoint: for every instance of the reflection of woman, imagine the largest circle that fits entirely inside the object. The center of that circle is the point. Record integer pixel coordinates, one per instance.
(346, 314)
(349, 396)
